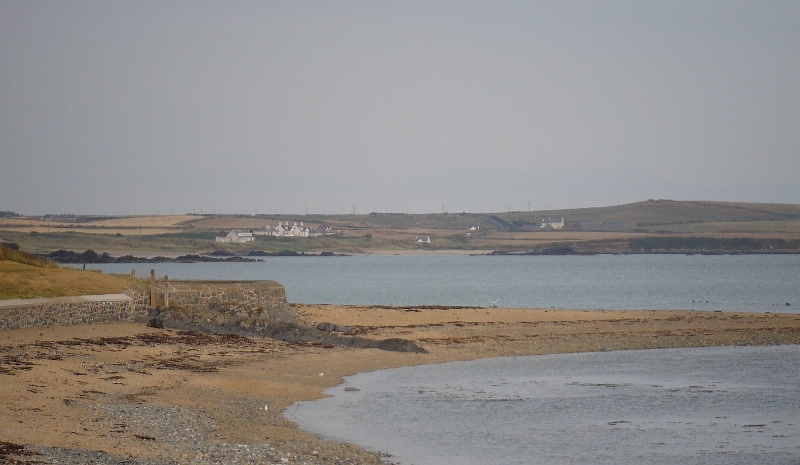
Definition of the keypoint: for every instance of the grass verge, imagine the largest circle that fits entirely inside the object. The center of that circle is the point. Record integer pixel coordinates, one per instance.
(23, 276)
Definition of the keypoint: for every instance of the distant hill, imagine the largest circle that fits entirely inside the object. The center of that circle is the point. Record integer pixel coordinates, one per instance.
(653, 213)
(641, 214)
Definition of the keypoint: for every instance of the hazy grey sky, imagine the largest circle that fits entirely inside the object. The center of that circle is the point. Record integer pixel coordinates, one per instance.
(117, 107)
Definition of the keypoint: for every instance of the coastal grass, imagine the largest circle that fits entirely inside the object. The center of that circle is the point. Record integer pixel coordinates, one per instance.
(24, 281)
(14, 255)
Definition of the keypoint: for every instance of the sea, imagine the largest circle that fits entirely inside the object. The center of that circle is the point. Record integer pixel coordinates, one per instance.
(757, 283)
(733, 405)
(709, 406)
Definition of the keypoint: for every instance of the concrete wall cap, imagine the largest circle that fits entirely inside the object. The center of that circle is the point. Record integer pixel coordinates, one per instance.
(11, 303)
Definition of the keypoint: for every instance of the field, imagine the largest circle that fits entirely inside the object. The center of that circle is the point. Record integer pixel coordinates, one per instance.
(615, 229)
(139, 225)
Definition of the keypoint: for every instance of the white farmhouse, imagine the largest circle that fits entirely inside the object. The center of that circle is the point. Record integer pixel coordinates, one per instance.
(267, 231)
(284, 230)
(281, 230)
(552, 224)
(237, 236)
(300, 231)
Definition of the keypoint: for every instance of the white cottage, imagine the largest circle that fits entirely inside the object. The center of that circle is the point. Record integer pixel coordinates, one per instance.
(284, 230)
(267, 231)
(237, 236)
(300, 231)
(552, 224)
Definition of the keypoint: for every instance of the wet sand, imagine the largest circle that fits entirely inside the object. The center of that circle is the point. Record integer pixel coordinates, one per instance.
(162, 396)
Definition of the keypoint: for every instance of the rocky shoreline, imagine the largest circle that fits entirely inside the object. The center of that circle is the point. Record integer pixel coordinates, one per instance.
(185, 437)
(90, 256)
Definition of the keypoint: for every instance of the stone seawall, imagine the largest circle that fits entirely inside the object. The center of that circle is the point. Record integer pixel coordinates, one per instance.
(188, 293)
(135, 303)
(63, 311)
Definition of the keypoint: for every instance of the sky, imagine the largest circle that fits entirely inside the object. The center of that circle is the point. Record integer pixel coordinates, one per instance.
(331, 107)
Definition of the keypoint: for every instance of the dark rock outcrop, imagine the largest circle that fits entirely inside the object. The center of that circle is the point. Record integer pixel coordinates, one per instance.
(325, 326)
(252, 320)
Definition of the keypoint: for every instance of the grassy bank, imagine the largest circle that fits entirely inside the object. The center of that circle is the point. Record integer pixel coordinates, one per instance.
(23, 276)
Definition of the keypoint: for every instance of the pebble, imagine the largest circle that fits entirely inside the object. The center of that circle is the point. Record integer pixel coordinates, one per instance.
(189, 438)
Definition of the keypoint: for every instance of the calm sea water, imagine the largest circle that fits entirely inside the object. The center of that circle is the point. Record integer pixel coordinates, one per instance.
(737, 405)
(690, 282)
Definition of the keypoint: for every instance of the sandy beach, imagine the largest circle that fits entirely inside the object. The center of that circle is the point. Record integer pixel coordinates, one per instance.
(128, 393)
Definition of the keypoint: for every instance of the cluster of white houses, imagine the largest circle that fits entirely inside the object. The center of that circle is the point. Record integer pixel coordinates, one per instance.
(550, 224)
(282, 230)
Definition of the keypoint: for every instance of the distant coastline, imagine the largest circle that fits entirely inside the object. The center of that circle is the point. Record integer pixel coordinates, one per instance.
(649, 227)
(89, 256)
